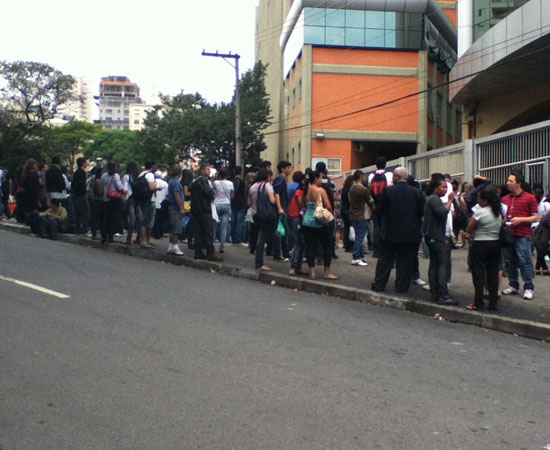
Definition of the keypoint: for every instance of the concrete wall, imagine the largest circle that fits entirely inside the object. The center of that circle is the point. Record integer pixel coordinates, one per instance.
(270, 16)
(495, 114)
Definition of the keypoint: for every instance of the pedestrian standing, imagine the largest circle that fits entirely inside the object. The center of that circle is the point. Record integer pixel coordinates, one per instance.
(401, 208)
(435, 231)
(223, 194)
(238, 207)
(176, 209)
(202, 196)
(359, 213)
(280, 246)
(522, 212)
(81, 207)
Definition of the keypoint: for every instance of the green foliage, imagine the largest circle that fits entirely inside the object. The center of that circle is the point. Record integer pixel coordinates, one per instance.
(29, 98)
(70, 139)
(115, 145)
(187, 121)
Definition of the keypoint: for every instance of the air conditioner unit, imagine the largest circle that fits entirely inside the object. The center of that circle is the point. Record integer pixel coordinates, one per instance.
(359, 148)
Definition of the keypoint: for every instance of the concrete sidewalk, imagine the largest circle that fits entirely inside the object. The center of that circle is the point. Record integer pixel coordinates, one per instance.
(515, 315)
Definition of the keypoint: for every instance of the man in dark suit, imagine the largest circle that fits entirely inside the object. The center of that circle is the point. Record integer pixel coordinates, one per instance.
(401, 207)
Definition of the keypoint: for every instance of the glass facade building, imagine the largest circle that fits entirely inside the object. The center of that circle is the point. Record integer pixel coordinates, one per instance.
(487, 13)
(366, 29)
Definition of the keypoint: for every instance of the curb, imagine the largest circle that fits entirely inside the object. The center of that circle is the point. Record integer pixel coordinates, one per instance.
(519, 327)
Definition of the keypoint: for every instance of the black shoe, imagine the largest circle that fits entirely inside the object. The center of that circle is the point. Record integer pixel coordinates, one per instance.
(447, 301)
(191, 247)
(277, 258)
(334, 256)
(213, 257)
(200, 256)
(375, 289)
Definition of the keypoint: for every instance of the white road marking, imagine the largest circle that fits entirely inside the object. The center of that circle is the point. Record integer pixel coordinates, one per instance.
(35, 287)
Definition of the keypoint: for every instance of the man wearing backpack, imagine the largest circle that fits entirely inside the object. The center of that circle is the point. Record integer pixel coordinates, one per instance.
(378, 181)
(202, 196)
(145, 189)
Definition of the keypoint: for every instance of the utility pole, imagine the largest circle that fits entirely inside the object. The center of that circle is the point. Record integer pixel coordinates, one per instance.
(238, 144)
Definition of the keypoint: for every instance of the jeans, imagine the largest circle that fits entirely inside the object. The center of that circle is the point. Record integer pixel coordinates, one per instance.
(299, 246)
(224, 213)
(134, 219)
(280, 243)
(438, 272)
(518, 256)
(361, 228)
(237, 226)
(293, 231)
(48, 227)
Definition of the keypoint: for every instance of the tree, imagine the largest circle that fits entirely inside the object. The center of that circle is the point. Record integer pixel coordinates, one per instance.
(115, 145)
(34, 90)
(188, 121)
(29, 98)
(255, 111)
(70, 139)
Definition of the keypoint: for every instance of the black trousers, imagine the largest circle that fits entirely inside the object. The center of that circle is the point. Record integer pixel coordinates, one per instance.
(204, 233)
(81, 213)
(440, 268)
(110, 224)
(314, 236)
(404, 255)
(485, 267)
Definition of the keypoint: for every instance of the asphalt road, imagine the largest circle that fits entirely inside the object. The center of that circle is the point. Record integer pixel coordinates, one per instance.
(145, 355)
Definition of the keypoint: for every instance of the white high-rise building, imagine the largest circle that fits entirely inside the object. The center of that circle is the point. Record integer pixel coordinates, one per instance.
(83, 107)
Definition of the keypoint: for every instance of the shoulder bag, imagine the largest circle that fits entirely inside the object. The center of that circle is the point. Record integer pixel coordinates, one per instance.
(323, 215)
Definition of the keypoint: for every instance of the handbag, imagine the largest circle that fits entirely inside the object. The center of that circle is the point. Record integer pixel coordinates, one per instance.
(113, 192)
(280, 228)
(505, 237)
(323, 215)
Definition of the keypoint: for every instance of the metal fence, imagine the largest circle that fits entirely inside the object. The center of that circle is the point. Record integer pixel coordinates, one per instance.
(526, 149)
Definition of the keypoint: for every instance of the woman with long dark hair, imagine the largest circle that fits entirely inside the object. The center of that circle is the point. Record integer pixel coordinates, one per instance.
(29, 190)
(133, 211)
(485, 250)
(112, 207)
(315, 232)
(261, 199)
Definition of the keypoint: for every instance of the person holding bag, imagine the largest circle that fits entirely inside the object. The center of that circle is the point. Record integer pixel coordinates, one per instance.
(317, 204)
(112, 202)
(261, 199)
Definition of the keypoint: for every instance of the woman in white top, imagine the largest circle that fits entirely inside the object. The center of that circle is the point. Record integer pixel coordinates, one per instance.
(485, 250)
(223, 193)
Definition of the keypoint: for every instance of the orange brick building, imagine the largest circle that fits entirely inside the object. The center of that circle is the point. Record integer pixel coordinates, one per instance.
(344, 83)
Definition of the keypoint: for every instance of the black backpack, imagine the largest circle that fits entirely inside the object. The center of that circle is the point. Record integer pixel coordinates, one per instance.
(140, 190)
(265, 210)
(379, 183)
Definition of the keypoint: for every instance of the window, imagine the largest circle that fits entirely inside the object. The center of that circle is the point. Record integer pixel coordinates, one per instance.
(108, 111)
(136, 122)
(334, 165)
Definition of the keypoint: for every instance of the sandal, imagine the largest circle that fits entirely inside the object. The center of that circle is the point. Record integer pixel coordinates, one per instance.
(331, 276)
(265, 269)
(292, 273)
(473, 307)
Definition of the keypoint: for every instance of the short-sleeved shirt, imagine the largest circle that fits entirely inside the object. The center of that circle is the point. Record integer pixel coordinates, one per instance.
(222, 191)
(174, 189)
(280, 188)
(488, 226)
(253, 193)
(522, 205)
(294, 206)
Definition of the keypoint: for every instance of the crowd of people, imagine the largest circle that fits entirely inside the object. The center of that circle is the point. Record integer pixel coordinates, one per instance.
(299, 217)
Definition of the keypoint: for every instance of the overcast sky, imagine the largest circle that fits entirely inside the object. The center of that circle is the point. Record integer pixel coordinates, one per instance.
(157, 43)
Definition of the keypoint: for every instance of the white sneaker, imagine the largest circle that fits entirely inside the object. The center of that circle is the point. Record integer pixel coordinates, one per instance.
(511, 291)
(426, 287)
(358, 262)
(419, 282)
(528, 294)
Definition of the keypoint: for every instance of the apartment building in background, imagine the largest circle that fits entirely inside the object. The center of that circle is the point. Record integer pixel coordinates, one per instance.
(138, 113)
(116, 95)
(351, 81)
(501, 76)
(83, 107)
